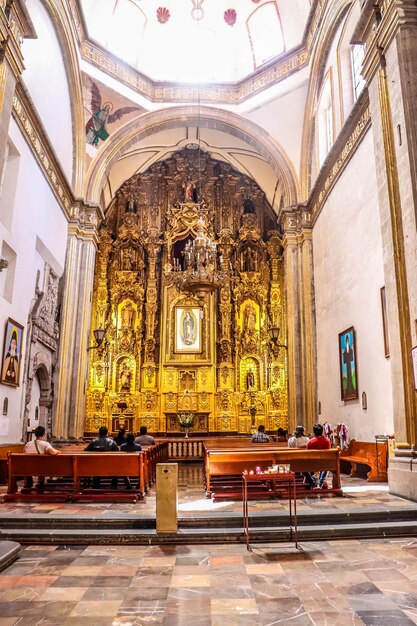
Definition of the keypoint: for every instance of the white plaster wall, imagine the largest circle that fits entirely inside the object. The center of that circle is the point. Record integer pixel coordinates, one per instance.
(348, 275)
(38, 233)
(43, 59)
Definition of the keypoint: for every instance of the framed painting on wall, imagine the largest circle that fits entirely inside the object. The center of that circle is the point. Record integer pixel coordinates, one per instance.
(348, 365)
(188, 336)
(12, 354)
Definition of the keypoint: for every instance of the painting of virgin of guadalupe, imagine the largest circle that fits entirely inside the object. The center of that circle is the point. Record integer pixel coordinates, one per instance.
(348, 365)
(12, 353)
(188, 329)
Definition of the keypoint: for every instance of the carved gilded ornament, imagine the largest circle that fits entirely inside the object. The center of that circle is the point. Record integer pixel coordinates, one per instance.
(142, 374)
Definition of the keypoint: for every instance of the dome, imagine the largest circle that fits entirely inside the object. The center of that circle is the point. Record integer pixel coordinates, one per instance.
(196, 41)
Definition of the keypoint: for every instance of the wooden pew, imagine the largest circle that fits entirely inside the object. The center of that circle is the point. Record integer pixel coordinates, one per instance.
(5, 448)
(74, 467)
(365, 453)
(234, 462)
(107, 465)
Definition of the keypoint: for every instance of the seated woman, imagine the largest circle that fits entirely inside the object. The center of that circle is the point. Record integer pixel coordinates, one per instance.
(299, 439)
(121, 437)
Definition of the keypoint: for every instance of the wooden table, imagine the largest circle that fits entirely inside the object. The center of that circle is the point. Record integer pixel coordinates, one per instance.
(289, 478)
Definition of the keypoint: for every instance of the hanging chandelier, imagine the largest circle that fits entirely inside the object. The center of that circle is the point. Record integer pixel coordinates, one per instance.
(198, 274)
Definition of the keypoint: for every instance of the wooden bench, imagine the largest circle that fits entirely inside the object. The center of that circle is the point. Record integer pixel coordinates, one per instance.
(369, 453)
(5, 448)
(232, 463)
(69, 470)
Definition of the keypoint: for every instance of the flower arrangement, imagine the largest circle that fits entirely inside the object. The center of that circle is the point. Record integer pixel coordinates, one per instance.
(186, 421)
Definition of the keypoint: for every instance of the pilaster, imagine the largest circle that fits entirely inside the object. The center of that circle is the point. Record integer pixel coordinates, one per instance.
(15, 25)
(389, 29)
(75, 321)
(298, 255)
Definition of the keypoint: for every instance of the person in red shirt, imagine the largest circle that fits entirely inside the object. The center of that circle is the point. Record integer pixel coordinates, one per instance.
(318, 442)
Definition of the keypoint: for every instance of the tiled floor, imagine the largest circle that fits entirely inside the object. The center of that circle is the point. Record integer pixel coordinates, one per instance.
(342, 583)
(191, 498)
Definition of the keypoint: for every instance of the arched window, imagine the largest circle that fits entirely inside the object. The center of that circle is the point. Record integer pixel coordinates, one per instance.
(324, 119)
(358, 53)
(265, 33)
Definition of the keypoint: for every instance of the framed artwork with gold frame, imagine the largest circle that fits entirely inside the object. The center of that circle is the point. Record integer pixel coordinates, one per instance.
(188, 330)
(12, 354)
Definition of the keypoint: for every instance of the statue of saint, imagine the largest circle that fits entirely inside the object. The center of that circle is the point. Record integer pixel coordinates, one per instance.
(129, 260)
(131, 206)
(250, 379)
(189, 191)
(127, 314)
(250, 317)
(125, 376)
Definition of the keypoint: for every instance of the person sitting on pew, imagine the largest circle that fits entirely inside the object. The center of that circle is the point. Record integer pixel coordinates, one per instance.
(143, 438)
(130, 446)
(39, 445)
(102, 443)
(260, 436)
(121, 437)
(281, 435)
(318, 442)
(299, 439)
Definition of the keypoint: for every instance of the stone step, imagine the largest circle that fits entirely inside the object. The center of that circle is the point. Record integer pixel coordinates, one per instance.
(128, 521)
(9, 551)
(143, 536)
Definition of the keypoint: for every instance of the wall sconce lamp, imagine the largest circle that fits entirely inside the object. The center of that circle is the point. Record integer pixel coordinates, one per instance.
(274, 332)
(98, 336)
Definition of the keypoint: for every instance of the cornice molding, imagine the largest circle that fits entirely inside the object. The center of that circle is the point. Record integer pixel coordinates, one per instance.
(232, 93)
(82, 217)
(33, 131)
(349, 139)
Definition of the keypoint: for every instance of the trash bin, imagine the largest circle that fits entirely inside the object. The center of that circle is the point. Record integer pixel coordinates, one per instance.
(166, 497)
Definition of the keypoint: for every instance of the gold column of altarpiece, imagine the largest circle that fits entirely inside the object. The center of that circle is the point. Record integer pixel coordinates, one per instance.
(166, 351)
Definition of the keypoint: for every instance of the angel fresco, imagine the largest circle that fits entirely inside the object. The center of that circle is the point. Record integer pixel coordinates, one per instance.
(96, 127)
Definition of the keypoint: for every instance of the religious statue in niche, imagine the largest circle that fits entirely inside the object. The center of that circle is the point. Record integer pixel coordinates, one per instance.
(249, 317)
(125, 378)
(250, 260)
(127, 315)
(248, 207)
(250, 379)
(131, 205)
(189, 190)
(129, 260)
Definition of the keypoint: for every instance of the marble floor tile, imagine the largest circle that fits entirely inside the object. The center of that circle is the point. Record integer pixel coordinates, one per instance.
(96, 608)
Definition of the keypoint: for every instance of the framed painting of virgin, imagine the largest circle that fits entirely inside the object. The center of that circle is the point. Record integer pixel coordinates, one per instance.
(188, 330)
(12, 354)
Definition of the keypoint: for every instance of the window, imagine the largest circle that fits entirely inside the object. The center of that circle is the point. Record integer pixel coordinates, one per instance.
(325, 120)
(8, 184)
(265, 33)
(358, 54)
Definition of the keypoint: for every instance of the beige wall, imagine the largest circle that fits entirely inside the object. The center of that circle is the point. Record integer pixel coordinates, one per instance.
(348, 275)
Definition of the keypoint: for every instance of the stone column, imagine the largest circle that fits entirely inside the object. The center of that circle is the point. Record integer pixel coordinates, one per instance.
(292, 278)
(15, 25)
(298, 256)
(389, 30)
(308, 323)
(75, 319)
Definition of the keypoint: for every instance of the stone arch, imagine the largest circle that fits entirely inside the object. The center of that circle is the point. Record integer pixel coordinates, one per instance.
(207, 117)
(70, 56)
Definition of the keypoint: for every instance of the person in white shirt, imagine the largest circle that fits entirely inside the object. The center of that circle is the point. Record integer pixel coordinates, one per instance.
(39, 445)
(299, 439)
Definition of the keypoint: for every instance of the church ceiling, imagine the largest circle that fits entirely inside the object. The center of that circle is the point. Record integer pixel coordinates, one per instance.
(196, 41)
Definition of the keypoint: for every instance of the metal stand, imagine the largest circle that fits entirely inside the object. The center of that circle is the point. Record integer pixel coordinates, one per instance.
(289, 478)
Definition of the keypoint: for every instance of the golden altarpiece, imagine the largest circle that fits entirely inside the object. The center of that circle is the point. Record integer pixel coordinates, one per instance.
(166, 350)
